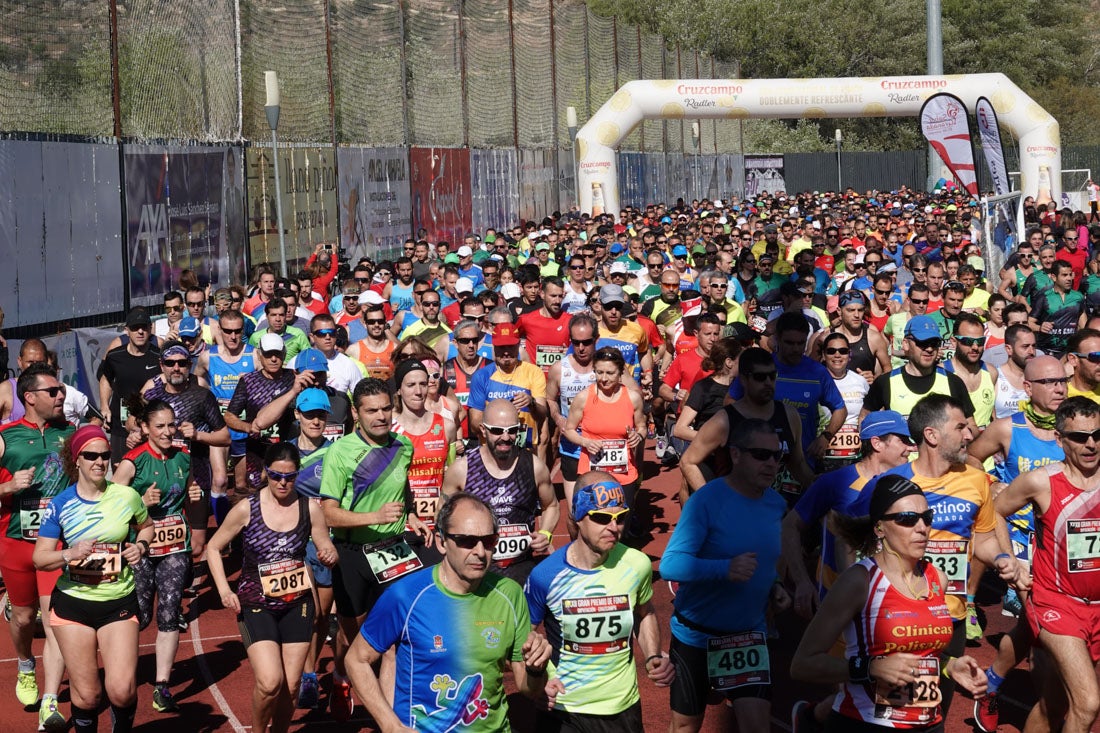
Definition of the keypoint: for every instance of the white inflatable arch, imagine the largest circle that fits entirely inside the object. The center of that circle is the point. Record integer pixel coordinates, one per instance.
(738, 99)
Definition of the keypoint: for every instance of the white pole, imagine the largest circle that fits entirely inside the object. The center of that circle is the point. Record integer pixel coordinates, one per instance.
(271, 81)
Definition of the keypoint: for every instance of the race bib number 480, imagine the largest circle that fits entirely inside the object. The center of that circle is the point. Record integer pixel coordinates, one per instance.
(737, 660)
(597, 625)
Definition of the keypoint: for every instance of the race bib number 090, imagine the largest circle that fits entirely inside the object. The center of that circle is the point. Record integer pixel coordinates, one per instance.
(514, 542)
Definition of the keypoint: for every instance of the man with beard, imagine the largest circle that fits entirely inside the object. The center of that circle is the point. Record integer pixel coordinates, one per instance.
(521, 383)
(593, 581)
(1085, 381)
(967, 364)
(200, 427)
(545, 329)
(374, 351)
(964, 524)
(1057, 312)
(515, 484)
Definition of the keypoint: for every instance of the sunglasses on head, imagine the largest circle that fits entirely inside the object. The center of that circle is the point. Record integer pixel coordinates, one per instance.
(280, 476)
(605, 518)
(910, 519)
(89, 455)
(499, 430)
(471, 541)
(1081, 437)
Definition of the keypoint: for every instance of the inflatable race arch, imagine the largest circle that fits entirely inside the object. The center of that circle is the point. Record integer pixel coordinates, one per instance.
(739, 99)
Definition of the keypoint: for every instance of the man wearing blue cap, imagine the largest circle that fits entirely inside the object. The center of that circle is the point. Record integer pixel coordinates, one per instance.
(591, 597)
(311, 368)
(885, 444)
(903, 387)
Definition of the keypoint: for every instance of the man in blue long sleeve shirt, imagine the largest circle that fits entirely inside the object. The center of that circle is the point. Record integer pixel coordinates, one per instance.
(724, 553)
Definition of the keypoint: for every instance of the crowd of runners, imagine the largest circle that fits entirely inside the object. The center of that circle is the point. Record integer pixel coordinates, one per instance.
(378, 454)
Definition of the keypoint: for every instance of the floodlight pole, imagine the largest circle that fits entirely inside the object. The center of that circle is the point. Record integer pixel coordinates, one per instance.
(571, 123)
(839, 139)
(934, 32)
(272, 111)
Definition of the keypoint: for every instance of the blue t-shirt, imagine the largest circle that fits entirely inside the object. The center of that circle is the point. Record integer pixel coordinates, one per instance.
(803, 387)
(716, 525)
(834, 491)
(450, 649)
(477, 277)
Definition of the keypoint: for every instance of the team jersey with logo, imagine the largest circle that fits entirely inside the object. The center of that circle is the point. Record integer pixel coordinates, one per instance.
(27, 446)
(547, 339)
(430, 451)
(308, 483)
(450, 649)
(169, 472)
(361, 477)
(630, 340)
(1067, 537)
(492, 383)
(103, 576)
(273, 573)
(893, 623)
(589, 618)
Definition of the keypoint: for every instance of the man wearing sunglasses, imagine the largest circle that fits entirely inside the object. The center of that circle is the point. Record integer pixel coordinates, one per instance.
(1062, 618)
(964, 523)
(375, 349)
(966, 363)
(343, 375)
(727, 573)
(521, 383)
(594, 680)
(122, 373)
(515, 484)
(903, 387)
(200, 427)
(456, 624)
(1083, 356)
(166, 328)
(294, 339)
(30, 457)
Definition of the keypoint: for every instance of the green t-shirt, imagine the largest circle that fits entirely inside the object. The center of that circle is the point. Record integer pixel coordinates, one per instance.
(293, 337)
(169, 472)
(26, 446)
(103, 576)
(361, 477)
(895, 332)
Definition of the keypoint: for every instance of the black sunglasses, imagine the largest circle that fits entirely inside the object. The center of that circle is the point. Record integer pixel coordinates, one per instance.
(89, 455)
(468, 340)
(233, 331)
(763, 376)
(910, 519)
(471, 541)
(583, 342)
(376, 321)
(1092, 356)
(176, 362)
(834, 350)
(51, 391)
(764, 454)
(1081, 436)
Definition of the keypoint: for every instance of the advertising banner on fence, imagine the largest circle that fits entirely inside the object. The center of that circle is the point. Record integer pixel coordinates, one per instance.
(764, 173)
(375, 201)
(310, 207)
(494, 189)
(175, 211)
(53, 270)
(538, 190)
(441, 192)
(946, 127)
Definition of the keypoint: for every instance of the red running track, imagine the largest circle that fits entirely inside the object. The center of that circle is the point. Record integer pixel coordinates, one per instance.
(212, 680)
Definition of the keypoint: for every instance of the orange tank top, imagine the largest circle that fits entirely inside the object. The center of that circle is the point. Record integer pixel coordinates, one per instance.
(608, 422)
(379, 364)
(430, 452)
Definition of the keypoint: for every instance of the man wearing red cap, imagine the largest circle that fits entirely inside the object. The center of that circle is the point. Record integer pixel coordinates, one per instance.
(508, 378)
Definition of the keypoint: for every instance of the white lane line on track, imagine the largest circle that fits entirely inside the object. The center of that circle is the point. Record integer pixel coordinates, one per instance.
(219, 698)
(150, 645)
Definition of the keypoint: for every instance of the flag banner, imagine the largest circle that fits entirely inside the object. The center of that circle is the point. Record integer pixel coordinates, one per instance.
(989, 131)
(946, 127)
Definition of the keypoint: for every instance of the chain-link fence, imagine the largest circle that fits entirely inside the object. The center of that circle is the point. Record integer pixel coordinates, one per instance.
(451, 73)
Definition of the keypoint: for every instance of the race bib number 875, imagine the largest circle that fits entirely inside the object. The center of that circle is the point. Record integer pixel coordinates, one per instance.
(596, 625)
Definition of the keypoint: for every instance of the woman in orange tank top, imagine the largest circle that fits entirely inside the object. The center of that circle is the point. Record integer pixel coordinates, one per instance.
(610, 420)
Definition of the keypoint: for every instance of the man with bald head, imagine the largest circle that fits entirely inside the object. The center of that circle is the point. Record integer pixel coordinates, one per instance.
(515, 483)
(11, 409)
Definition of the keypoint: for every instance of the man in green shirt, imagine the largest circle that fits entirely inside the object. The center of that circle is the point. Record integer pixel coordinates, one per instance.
(294, 338)
(365, 497)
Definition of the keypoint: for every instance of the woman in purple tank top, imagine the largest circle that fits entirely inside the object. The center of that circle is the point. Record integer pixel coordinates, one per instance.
(274, 600)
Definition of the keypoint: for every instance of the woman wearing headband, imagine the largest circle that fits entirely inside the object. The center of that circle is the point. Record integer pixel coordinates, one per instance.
(891, 608)
(96, 531)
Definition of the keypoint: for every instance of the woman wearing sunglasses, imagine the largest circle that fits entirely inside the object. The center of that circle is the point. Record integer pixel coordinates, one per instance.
(891, 609)
(612, 426)
(161, 474)
(836, 353)
(274, 601)
(96, 531)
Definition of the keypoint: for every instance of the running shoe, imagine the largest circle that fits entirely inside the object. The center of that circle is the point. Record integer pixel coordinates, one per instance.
(803, 720)
(661, 447)
(986, 715)
(1011, 606)
(308, 692)
(163, 701)
(341, 704)
(26, 688)
(973, 628)
(50, 718)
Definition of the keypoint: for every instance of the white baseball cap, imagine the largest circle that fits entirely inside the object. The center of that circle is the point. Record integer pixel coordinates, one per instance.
(465, 251)
(464, 284)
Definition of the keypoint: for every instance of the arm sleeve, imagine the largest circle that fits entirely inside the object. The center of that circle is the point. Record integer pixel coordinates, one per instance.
(535, 592)
(681, 561)
(986, 521)
(50, 526)
(675, 373)
(523, 626)
(817, 500)
(830, 394)
(695, 399)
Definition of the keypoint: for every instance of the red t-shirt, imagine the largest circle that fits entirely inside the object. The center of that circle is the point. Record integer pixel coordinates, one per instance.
(547, 338)
(452, 314)
(1077, 260)
(685, 370)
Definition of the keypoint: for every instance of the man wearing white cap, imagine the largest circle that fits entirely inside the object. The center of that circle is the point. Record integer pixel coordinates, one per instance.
(452, 312)
(357, 329)
(467, 268)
